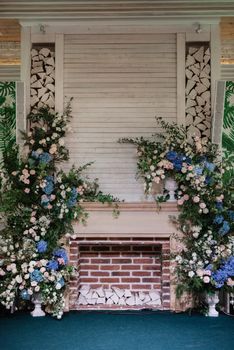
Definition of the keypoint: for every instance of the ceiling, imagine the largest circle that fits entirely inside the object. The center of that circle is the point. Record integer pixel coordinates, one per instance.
(62, 9)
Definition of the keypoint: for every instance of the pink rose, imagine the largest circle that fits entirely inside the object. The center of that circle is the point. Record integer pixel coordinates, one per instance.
(196, 199)
(33, 219)
(206, 279)
(207, 272)
(27, 190)
(61, 261)
(25, 172)
(180, 201)
(230, 282)
(202, 205)
(156, 179)
(199, 272)
(186, 197)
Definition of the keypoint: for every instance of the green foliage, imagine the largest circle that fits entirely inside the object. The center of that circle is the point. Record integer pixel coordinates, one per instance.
(7, 120)
(39, 205)
(204, 199)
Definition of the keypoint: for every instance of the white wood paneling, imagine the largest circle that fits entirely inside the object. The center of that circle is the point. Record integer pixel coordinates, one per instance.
(119, 83)
(9, 73)
(181, 78)
(215, 61)
(227, 71)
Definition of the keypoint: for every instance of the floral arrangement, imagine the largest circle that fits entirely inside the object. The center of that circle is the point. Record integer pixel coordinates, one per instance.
(39, 204)
(205, 261)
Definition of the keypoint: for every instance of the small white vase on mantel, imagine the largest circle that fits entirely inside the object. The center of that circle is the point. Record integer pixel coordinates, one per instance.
(212, 300)
(171, 186)
(37, 301)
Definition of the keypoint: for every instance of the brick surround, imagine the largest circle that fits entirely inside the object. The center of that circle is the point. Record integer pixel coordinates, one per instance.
(137, 264)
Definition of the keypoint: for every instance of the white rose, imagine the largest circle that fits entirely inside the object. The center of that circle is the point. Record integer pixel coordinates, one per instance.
(191, 274)
(61, 142)
(19, 279)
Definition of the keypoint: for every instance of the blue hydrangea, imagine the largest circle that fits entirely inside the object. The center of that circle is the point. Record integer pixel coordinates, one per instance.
(208, 180)
(73, 198)
(224, 272)
(178, 162)
(198, 170)
(219, 205)
(45, 158)
(229, 266)
(210, 166)
(171, 155)
(41, 246)
(62, 282)
(24, 294)
(36, 275)
(224, 229)
(219, 277)
(52, 265)
(61, 253)
(45, 200)
(231, 214)
(218, 219)
(48, 189)
(35, 155)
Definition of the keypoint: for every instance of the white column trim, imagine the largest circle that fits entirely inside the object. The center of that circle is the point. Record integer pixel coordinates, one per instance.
(215, 61)
(26, 68)
(180, 78)
(59, 54)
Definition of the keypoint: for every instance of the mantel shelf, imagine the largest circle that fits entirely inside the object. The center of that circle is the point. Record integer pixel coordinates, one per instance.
(133, 206)
(135, 220)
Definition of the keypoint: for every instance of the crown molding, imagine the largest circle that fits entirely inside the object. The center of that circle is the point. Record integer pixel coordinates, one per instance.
(61, 9)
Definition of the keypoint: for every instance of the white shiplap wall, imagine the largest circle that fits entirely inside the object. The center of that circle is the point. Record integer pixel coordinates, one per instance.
(9, 73)
(119, 82)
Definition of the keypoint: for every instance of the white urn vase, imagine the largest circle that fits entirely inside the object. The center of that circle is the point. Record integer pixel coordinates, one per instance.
(37, 301)
(212, 300)
(171, 186)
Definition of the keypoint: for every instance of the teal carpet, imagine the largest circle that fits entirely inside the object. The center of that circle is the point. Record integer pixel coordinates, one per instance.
(117, 331)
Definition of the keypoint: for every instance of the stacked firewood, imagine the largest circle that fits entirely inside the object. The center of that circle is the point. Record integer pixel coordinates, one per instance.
(42, 84)
(198, 96)
(117, 296)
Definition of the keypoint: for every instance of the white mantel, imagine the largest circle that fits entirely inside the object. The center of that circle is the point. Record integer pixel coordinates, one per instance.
(135, 220)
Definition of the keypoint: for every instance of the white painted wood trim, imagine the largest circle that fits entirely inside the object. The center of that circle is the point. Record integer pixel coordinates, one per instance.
(65, 26)
(19, 111)
(25, 68)
(180, 78)
(203, 36)
(215, 49)
(43, 38)
(135, 220)
(59, 55)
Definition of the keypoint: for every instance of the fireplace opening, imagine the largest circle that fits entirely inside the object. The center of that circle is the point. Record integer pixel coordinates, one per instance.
(121, 274)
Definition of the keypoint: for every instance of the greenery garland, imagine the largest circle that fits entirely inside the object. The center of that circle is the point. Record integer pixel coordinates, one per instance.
(39, 205)
(205, 261)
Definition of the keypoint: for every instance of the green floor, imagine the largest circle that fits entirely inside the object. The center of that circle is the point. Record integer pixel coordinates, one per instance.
(117, 331)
